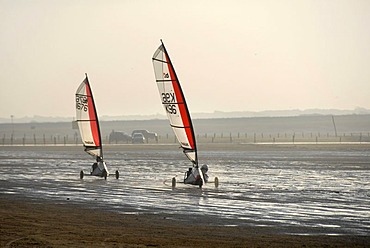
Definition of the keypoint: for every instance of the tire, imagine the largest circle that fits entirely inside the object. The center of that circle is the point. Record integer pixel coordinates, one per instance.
(81, 174)
(201, 184)
(173, 182)
(216, 182)
(117, 174)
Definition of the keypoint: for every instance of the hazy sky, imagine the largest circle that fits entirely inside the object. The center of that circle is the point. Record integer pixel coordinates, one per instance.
(229, 55)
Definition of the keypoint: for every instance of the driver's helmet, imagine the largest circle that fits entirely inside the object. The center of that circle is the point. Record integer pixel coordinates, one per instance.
(204, 168)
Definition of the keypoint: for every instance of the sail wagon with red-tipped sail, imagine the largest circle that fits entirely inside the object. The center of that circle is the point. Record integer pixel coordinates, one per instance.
(173, 100)
(88, 124)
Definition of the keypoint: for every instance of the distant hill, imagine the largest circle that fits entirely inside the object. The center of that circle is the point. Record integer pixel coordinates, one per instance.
(280, 113)
(214, 115)
(307, 126)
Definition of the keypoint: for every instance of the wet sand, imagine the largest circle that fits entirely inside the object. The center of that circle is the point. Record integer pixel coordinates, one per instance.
(51, 224)
(48, 223)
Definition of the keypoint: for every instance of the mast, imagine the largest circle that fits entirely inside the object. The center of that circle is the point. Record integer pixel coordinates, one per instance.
(96, 119)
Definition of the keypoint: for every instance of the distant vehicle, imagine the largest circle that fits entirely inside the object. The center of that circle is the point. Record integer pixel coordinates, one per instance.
(138, 138)
(147, 135)
(117, 137)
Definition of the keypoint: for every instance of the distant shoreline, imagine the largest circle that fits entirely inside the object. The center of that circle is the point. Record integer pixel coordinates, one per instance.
(201, 147)
(211, 115)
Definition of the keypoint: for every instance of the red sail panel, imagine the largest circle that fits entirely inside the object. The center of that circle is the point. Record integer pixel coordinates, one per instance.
(181, 104)
(92, 114)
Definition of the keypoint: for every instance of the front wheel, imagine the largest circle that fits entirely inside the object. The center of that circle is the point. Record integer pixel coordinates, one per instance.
(81, 174)
(173, 182)
(105, 175)
(117, 174)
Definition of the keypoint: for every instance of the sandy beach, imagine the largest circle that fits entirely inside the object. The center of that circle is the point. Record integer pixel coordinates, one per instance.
(48, 224)
(66, 222)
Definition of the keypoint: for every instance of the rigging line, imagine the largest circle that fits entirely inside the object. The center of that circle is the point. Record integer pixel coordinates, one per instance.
(77, 94)
(85, 120)
(165, 80)
(163, 61)
(180, 126)
(186, 150)
(169, 103)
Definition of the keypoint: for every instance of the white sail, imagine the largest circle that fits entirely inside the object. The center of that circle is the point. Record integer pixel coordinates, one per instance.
(173, 101)
(87, 120)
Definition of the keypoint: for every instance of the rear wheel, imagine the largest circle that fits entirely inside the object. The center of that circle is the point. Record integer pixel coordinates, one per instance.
(81, 174)
(173, 182)
(117, 174)
(105, 175)
(200, 184)
(216, 182)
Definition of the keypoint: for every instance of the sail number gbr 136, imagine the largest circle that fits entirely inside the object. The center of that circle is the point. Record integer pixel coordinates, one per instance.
(168, 100)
